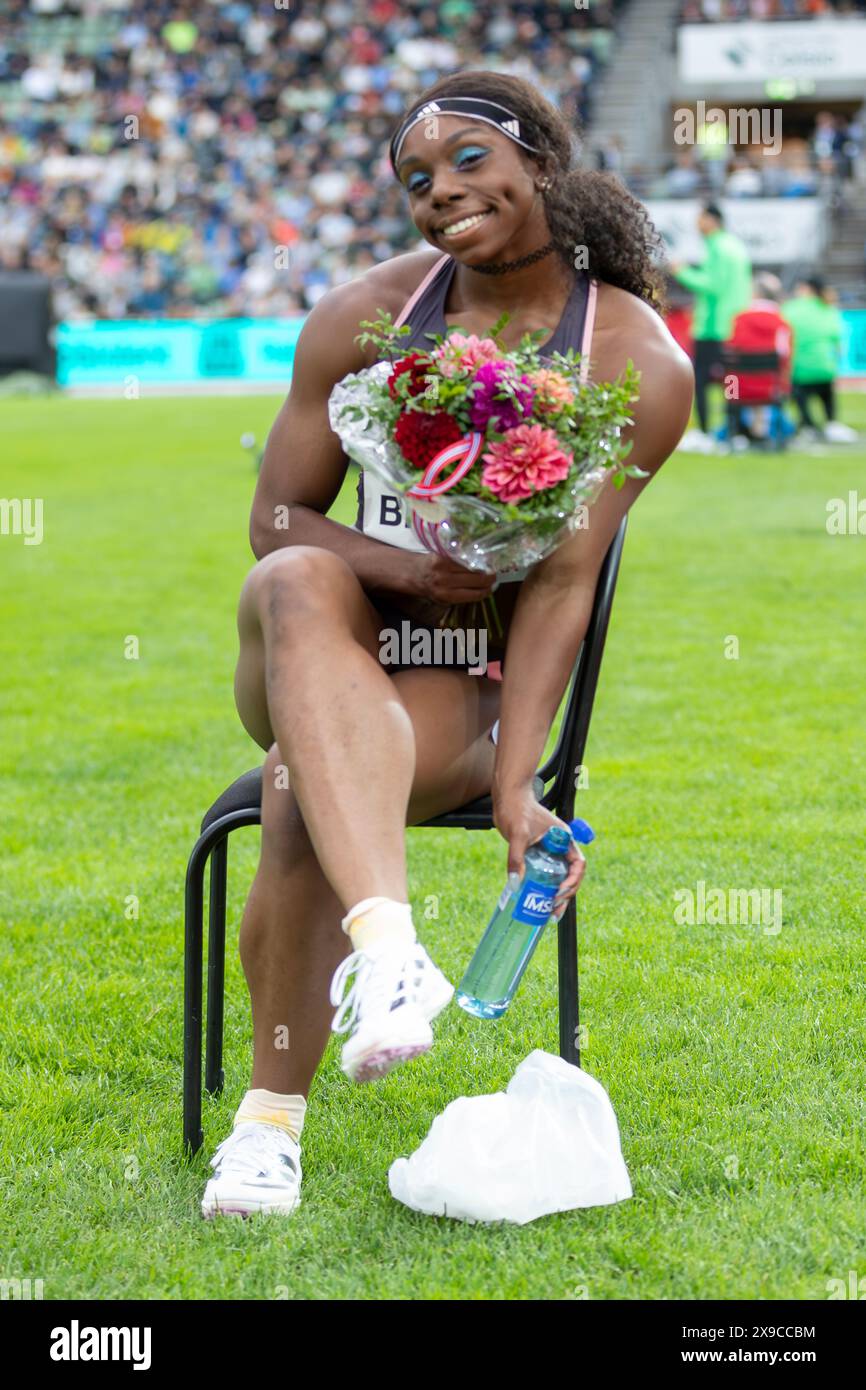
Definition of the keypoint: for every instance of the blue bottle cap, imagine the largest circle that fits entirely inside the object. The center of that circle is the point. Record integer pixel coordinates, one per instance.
(583, 833)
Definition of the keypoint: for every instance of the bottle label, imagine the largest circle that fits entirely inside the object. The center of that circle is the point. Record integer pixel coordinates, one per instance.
(534, 903)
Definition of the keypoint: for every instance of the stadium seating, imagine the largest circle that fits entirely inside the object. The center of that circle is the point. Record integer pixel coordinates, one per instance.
(152, 158)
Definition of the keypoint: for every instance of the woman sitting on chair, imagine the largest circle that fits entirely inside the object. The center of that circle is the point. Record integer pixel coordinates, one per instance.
(367, 748)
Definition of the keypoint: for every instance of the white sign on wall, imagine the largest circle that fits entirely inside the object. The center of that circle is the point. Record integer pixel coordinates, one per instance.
(752, 53)
(775, 230)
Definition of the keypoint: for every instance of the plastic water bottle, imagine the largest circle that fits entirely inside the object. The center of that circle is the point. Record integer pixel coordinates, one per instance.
(514, 930)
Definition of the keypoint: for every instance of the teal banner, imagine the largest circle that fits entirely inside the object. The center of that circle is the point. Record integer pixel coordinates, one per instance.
(256, 350)
(854, 349)
(172, 351)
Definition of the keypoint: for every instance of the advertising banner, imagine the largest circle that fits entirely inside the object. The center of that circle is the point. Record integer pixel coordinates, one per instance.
(775, 230)
(175, 354)
(825, 49)
(176, 351)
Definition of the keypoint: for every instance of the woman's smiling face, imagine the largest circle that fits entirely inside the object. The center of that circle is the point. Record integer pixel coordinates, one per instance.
(471, 191)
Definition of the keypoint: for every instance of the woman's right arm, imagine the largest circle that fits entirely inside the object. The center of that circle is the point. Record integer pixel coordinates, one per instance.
(304, 466)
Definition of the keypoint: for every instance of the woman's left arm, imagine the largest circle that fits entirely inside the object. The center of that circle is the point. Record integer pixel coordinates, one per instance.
(555, 602)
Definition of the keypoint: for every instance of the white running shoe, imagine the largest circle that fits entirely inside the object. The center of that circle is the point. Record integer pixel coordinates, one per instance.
(395, 995)
(257, 1169)
(696, 442)
(837, 433)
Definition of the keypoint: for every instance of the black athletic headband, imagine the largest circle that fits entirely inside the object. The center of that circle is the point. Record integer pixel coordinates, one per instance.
(477, 107)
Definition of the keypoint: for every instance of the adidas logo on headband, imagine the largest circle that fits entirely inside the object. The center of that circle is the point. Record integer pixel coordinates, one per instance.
(433, 108)
(476, 108)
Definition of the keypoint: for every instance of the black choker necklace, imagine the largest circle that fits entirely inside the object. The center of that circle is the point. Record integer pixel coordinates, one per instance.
(506, 266)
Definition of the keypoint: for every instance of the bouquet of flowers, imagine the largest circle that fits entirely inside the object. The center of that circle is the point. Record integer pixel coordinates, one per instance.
(497, 453)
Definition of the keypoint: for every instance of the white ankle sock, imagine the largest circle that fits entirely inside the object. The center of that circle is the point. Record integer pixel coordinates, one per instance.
(269, 1108)
(374, 921)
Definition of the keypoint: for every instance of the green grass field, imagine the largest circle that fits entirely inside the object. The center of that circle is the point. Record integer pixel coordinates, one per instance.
(734, 1056)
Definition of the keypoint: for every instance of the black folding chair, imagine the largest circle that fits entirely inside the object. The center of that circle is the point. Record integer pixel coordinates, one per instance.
(240, 805)
(743, 365)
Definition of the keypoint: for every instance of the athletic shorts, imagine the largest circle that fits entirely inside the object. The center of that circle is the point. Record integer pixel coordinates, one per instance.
(394, 619)
(415, 641)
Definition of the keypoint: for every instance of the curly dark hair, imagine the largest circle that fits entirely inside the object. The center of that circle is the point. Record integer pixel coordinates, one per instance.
(584, 207)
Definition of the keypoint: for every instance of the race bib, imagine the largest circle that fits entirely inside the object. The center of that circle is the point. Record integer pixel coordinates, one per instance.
(383, 516)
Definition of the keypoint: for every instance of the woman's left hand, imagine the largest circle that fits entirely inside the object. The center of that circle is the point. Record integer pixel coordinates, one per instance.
(521, 820)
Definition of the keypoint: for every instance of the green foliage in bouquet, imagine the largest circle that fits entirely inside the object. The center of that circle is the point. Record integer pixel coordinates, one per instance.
(589, 425)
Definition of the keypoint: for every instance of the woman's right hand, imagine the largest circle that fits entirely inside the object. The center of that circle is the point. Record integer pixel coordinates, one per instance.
(441, 580)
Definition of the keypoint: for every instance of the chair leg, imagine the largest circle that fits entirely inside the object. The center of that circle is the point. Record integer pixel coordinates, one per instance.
(192, 984)
(569, 1044)
(214, 1075)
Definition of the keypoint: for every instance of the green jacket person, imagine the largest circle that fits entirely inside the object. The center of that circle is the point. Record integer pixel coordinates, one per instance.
(818, 333)
(722, 287)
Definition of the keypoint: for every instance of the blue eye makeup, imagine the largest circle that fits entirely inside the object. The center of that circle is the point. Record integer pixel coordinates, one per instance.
(469, 154)
(464, 158)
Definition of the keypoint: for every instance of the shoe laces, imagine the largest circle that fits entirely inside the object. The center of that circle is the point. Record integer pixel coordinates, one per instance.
(384, 981)
(250, 1149)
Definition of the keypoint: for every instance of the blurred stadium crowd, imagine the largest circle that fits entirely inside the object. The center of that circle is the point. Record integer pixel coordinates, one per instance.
(152, 157)
(707, 11)
(810, 164)
(806, 167)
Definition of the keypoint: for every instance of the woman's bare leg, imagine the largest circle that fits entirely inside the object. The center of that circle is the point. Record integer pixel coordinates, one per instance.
(334, 713)
(291, 937)
(291, 942)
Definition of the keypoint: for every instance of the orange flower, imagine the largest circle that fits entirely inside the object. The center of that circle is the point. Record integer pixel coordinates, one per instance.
(552, 390)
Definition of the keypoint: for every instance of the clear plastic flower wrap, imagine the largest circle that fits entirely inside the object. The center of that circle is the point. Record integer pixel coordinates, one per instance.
(507, 449)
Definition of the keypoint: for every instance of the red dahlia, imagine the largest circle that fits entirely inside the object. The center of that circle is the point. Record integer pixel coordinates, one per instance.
(420, 436)
(416, 364)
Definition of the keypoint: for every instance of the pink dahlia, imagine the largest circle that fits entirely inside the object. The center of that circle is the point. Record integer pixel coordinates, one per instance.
(552, 390)
(461, 354)
(528, 460)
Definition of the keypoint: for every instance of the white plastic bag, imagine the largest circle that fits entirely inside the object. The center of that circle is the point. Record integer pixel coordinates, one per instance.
(550, 1142)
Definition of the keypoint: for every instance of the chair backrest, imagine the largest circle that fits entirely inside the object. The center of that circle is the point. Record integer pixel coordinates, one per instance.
(568, 753)
(758, 354)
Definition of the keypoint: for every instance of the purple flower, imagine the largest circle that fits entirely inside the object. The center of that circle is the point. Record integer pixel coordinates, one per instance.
(503, 414)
